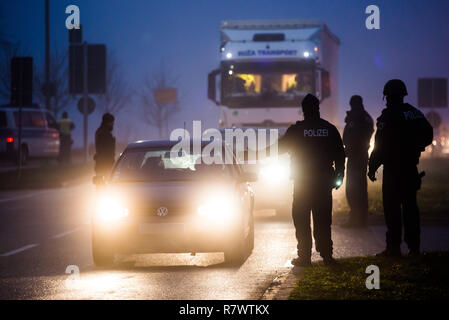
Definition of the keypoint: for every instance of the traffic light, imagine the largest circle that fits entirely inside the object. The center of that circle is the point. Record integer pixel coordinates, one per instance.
(22, 81)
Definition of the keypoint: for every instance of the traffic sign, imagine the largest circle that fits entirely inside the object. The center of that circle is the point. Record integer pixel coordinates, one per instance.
(96, 68)
(166, 95)
(21, 81)
(432, 92)
(90, 105)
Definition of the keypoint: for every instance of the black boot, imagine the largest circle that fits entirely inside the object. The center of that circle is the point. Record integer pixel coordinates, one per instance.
(302, 262)
(414, 253)
(390, 253)
(329, 261)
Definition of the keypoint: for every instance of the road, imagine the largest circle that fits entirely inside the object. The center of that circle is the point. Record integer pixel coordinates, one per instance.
(44, 232)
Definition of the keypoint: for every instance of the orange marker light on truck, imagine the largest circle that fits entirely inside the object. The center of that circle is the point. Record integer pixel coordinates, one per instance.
(10, 140)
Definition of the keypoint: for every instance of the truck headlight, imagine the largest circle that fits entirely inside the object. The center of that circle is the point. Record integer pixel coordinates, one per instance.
(110, 210)
(275, 171)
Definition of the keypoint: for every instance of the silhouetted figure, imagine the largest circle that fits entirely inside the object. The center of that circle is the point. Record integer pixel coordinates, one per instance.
(356, 138)
(104, 146)
(402, 134)
(66, 127)
(318, 164)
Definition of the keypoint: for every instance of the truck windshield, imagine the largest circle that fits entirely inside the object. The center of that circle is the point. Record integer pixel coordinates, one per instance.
(266, 88)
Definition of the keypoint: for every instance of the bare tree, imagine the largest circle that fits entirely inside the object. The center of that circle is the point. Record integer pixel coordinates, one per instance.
(61, 97)
(118, 94)
(3, 36)
(155, 113)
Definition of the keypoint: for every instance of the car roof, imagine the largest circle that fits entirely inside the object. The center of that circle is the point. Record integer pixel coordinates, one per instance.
(150, 144)
(10, 108)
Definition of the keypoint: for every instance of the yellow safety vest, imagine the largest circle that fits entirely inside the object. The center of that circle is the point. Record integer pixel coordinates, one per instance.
(65, 126)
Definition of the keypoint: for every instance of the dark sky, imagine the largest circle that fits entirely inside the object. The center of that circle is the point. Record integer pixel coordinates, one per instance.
(413, 42)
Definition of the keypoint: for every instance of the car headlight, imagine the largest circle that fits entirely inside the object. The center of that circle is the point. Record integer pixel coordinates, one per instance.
(217, 208)
(275, 171)
(110, 209)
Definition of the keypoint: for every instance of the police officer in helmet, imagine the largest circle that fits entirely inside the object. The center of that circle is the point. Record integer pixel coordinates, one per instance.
(318, 159)
(402, 134)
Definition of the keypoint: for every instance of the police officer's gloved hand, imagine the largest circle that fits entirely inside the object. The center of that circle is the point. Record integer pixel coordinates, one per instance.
(338, 180)
(372, 175)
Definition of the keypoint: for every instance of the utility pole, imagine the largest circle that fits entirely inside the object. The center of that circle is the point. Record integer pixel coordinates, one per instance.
(85, 100)
(47, 54)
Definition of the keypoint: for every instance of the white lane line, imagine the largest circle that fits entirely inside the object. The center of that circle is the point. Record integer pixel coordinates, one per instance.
(63, 234)
(25, 196)
(10, 253)
(288, 264)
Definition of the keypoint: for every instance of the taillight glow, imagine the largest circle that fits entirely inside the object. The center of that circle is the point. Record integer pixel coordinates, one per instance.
(10, 140)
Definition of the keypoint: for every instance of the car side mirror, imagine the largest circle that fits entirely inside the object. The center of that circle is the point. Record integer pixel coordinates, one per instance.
(249, 176)
(98, 180)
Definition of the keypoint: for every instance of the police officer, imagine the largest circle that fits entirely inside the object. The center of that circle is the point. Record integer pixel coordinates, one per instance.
(66, 127)
(356, 138)
(402, 134)
(104, 146)
(318, 159)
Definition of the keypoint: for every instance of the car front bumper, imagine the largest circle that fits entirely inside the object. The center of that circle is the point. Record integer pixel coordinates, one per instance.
(165, 235)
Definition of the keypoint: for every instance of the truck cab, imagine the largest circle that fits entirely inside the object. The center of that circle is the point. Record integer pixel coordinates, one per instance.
(266, 68)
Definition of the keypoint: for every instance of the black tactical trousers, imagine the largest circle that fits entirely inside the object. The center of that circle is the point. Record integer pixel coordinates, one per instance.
(317, 199)
(356, 187)
(399, 188)
(65, 146)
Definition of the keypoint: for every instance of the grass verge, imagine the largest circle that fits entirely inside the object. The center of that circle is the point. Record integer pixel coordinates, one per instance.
(46, 176)
(433, 197)
(425, 277)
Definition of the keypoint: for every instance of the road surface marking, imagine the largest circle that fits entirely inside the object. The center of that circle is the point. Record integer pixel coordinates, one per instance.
(29, 195)
(10, 253)
(63, 234)
(288, 264)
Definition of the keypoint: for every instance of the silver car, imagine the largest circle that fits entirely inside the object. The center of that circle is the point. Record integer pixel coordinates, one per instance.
(160, 201)
(40, 135)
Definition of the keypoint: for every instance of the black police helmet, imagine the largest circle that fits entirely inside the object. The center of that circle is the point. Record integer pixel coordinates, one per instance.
(107, 117)
(356, 100)
(395, 87)
(310, 103)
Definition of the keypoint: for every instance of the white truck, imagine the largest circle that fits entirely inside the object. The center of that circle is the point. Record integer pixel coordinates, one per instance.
(266, 69)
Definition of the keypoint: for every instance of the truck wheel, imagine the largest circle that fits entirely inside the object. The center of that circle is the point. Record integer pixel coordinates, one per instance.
(102, 254)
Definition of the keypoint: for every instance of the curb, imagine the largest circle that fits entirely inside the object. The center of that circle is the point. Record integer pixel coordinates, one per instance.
(283, 285)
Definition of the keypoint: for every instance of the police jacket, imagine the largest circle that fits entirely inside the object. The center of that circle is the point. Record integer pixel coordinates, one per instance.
(104, 145)
(402, 134)
(358, 131)
(316, 150)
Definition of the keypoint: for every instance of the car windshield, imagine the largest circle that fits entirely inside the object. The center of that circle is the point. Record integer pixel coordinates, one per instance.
(165, 165)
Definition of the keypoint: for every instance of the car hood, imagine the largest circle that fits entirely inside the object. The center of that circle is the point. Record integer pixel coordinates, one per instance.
(179, 197)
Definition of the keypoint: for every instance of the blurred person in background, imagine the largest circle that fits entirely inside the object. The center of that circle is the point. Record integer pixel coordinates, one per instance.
(66, 126)
(356, 138)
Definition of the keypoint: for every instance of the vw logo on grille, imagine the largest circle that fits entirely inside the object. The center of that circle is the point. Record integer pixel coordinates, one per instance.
(162, 211)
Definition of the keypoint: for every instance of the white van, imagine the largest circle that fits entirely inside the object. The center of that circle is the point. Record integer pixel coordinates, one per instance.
(40, 135)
